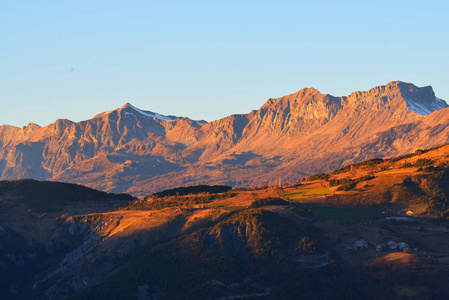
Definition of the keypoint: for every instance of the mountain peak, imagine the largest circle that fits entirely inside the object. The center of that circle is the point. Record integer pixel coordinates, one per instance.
(127, 105)
(420, 100)
(304, 95)
(309, 90)
(130, 109)
(150, 114)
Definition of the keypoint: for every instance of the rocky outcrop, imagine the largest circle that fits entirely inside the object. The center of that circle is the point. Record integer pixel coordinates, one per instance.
(89, 239)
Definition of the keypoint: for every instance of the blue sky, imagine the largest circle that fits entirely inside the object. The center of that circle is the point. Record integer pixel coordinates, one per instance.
(208, 59)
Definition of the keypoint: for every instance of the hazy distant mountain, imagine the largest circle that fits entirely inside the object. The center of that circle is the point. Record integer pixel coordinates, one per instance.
(137, 151)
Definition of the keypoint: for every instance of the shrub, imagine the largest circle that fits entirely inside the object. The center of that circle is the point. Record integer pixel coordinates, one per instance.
(319, 176)
(349, 181)
(421, 162)
(157, 203)
(268, 201)
(369, 162)
(305, 244)
(346, 187)
(195, 189)
(407, 165)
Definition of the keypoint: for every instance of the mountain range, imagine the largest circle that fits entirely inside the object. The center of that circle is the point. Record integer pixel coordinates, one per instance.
(136, 151)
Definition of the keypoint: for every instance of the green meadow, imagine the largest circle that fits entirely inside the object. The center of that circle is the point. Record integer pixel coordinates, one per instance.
(306, 193)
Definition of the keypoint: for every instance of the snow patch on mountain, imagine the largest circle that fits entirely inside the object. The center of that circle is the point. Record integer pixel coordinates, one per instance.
(425, 108)
(150, 114)
(441, 102)
(128, 113)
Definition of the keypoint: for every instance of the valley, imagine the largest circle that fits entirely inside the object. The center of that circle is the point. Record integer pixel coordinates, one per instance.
(327, 236)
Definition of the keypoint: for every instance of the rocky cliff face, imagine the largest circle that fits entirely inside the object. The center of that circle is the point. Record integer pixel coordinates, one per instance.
(130, 150)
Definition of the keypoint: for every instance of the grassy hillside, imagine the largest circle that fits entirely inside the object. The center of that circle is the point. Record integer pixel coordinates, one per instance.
(417, 179)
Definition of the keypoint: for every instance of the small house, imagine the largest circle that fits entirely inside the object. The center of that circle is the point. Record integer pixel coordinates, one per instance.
(360, 245)
(403, 246)
(348, 248)
(392, 245)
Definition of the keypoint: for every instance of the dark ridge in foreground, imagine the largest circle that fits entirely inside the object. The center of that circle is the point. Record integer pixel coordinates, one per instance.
(48, 196)
(247, 255)
(194, 189)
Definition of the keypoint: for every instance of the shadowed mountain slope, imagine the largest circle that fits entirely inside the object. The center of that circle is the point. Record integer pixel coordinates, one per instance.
(247, 255)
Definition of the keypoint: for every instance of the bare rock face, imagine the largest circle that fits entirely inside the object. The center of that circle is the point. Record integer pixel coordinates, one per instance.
(136, 151)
